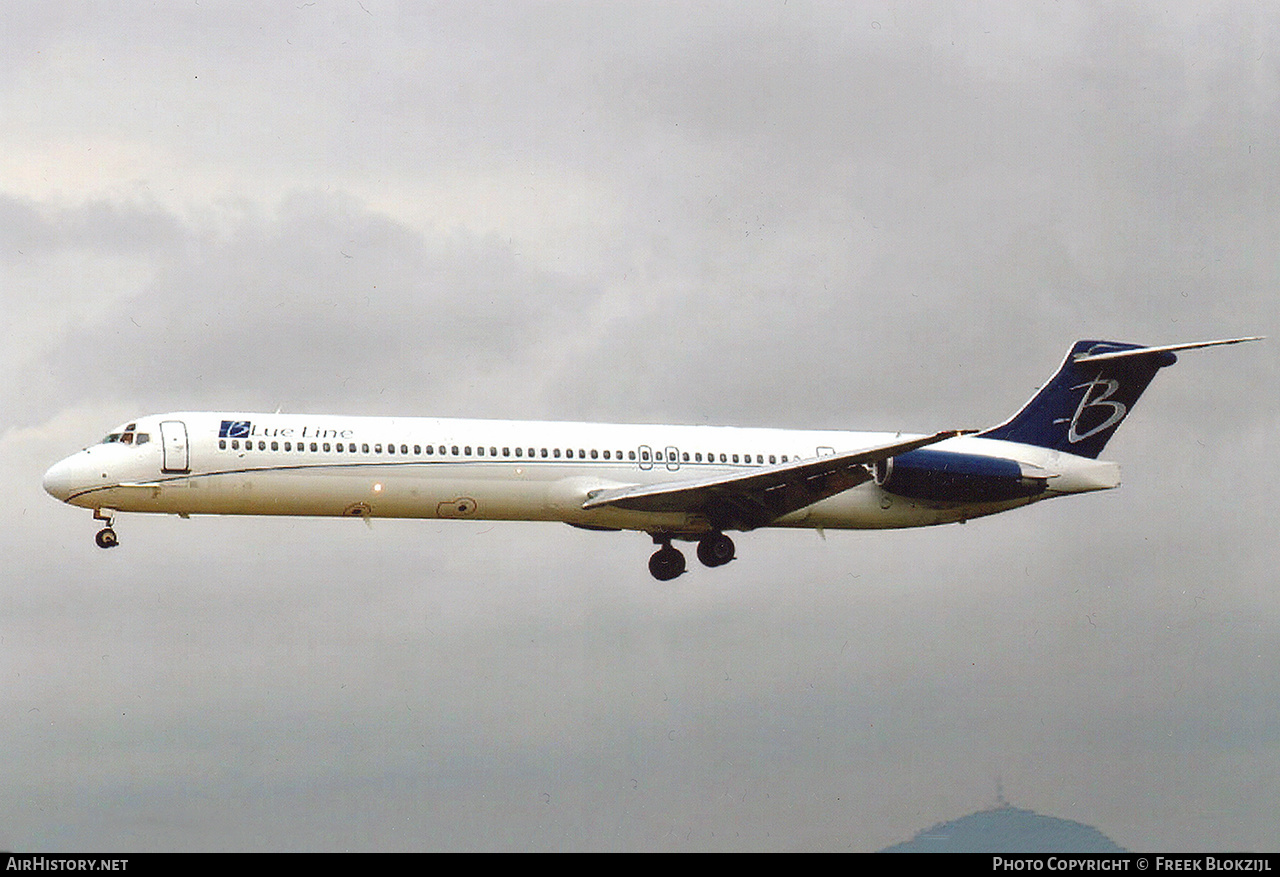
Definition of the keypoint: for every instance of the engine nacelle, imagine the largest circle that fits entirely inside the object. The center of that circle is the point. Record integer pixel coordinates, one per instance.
(941, 476)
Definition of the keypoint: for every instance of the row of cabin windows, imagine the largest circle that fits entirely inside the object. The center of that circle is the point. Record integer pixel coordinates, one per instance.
(480, 451)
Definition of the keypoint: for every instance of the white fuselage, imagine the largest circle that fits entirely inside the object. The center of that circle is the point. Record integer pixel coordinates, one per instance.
(289, 464)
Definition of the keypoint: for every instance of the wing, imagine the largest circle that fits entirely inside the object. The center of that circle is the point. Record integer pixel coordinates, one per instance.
(747, 501)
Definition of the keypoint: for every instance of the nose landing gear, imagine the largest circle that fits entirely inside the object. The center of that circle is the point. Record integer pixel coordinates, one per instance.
(106, 537)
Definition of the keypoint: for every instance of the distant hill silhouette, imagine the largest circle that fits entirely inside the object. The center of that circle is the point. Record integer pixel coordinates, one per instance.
(1006, 829)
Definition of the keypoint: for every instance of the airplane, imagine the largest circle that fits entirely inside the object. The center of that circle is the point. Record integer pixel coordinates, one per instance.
(688, 483)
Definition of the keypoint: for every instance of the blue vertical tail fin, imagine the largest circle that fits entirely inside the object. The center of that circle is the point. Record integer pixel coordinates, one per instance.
(1082, 406)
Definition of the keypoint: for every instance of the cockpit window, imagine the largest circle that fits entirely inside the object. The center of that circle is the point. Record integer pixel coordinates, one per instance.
(129, 436)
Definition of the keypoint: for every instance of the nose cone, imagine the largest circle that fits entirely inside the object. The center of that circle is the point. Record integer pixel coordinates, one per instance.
(64, 477)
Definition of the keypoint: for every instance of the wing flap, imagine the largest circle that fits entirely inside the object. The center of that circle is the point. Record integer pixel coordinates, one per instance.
(750, 500)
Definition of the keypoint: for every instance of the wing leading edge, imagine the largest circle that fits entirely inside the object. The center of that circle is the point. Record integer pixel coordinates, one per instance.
(747, 501)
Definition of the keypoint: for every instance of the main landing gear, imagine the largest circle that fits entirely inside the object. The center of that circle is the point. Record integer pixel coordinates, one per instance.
(667, 563)
(106, 537)
(715, 550)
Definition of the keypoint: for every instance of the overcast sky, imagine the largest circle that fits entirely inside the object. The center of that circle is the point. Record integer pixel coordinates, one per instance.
(864, 216)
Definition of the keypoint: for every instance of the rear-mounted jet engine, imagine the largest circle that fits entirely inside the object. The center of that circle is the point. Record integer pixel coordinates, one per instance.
(942, 476)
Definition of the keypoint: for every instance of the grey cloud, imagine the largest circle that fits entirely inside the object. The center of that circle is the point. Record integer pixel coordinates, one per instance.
(320, 303)
(31, 231)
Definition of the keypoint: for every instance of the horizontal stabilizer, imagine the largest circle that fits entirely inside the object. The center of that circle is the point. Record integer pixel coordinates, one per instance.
(1167, 348)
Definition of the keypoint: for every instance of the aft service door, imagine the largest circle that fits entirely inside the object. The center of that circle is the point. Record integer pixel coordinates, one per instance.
(173, 437)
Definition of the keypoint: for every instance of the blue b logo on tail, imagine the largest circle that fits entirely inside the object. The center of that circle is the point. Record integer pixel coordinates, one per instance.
(1103, 400)
(1085, 402)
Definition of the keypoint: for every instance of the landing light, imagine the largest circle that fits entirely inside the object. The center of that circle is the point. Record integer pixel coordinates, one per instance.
(377, 488)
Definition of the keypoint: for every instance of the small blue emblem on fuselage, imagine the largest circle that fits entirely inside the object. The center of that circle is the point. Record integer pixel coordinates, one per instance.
(235, 429)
